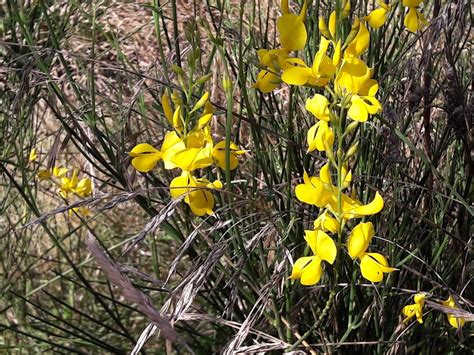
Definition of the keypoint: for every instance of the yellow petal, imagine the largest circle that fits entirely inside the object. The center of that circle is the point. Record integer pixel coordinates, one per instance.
(377, 18)
(412, 20)
(326, 223)
(180, 185)
(299, 265)
(219, 155)
(33, 155)
(336, 57)
(201, 202)
(325, 174)
(358, 110)
(411, 3)
(145, 157)
(359, 239)
(323, 28)
(375, 206)
(409, 311)
(44, 174)
(266, 81)
(177, 120)
(201, 102)
(168, 111)
(360, 43)
(206, 115)
(292, 32)
(59, 172)
(325, 247)
(311, 274)
(192, 158)
(318, 105)
(296, 75)
(332, 24)
(172, 144)
(373, 266)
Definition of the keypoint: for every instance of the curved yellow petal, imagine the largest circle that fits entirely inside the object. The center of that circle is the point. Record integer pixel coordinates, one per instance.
(375, 206)
(218, 154)
(413, 20)
(377, 18)
(145, 157)
(359, 239)
(201, 102)
(168, 111)
(180, 185)
(311, 274)
(358, 110)
(411, 3)
(266, 82)
(299, 265)
(326, 223)
(360, 43)
(318, 105)
(292, 32)
(296, 75)
(332, 24)
(325, 174)
(311, 239)
(325, 247)
(373, 266)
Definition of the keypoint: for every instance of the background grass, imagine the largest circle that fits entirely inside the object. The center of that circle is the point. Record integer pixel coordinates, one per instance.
(81, 81)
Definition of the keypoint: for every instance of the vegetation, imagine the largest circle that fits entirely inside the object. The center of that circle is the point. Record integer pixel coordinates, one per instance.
(236, 176)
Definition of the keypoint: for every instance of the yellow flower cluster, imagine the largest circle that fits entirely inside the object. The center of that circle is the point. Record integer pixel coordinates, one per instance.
(188, 147)
(416, 310)
(351, 96)
(68, 186)
(280, 67)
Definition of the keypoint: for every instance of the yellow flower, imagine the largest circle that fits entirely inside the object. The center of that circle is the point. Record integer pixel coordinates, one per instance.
(167, 109)
(319, 136)
(308, 269)
(355, 79)
(318, 105)
(266, 81)
(33, 155)
(456, 322)
(44, 175)
(59, 171)
(191, 159)
(359, 239)
(68, 185)
(414, 20)
(326, 223)
(319, 74)
(291, 28)
(359, 44)
(218, 154)
(206, 115)
(373, 266)
(84, 187)
(377, 17)
(172, 144)
(145, 157)
(199, 199)
(415, 309)
(275, 61)
(353, 208)
(313, 191)
(319, 191)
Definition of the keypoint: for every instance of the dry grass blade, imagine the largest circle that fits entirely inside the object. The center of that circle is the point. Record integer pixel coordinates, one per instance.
(153, 224)
(130, 293)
